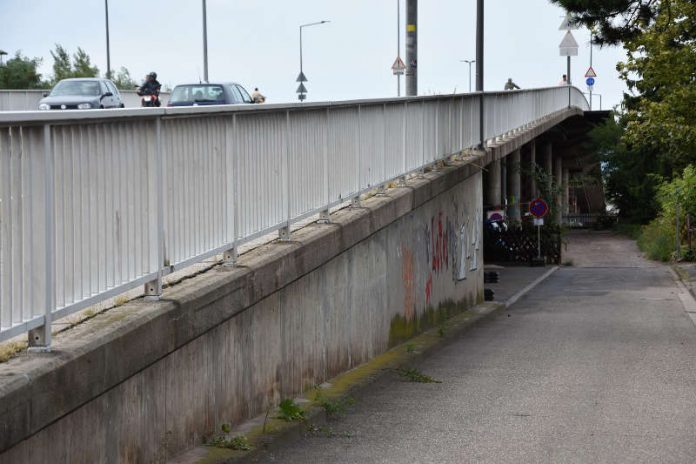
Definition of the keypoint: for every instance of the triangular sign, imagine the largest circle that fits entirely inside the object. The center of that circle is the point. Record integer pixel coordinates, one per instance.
(569, 41)
(568, 24)
(302, 88)
(591, 72)
(301, 77)
(399, 64)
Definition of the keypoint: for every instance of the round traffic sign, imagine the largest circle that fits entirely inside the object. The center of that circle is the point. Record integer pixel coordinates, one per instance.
(538, 208)
(590, 81)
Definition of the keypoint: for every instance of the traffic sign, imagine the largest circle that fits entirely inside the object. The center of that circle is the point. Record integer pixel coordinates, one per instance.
(569, 46)
(568, 24)
(590, 81)
(538, 208)
(591, 72)
(301, 88)
(399, 67)
(301, 77)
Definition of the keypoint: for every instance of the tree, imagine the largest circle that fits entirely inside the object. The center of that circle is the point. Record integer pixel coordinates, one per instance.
(661, 70)
(613, 21)
(62, 68)
(82, 65)
(123, 80)
(65, 68)
(21, 72)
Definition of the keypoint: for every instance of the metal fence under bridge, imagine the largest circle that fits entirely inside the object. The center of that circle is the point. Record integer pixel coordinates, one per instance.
(95, 203)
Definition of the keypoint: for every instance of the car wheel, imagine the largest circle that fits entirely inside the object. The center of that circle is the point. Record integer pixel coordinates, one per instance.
(122, 105)
(101, 107)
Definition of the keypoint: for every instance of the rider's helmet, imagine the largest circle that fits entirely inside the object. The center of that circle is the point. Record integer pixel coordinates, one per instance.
(153, 75)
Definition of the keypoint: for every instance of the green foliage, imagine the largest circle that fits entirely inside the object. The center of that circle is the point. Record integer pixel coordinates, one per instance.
(613, 21)
(82, 65)
(65, 68)
(123, 80)
(290, 411)
(414, 375)
(658, 239)
(238, 443)
(335, 408)
(626, 182)
(21, 72)
(660, 69)
(62, 68)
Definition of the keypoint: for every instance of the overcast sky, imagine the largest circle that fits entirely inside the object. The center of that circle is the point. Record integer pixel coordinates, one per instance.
(255, 42)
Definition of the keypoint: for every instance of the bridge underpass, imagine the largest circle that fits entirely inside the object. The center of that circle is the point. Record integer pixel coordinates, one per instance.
(138, 194)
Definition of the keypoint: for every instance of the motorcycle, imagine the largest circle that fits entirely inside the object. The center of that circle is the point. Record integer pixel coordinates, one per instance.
(150, 101)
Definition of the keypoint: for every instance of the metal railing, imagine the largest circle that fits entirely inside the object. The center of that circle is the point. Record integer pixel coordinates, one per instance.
(95, 203)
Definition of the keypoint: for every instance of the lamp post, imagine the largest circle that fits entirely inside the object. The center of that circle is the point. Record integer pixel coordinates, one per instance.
(479, 67)
(469, 62)
(2, 53)
(108, 48)
(205, 42)
(301, 78)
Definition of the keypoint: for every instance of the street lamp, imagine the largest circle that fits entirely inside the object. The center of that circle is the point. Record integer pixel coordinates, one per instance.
(205, 42)
(302, 90)
(108, 48)
(469, 62)
(2, 53)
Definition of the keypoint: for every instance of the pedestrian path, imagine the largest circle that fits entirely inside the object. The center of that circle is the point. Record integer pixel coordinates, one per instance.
(595, 365)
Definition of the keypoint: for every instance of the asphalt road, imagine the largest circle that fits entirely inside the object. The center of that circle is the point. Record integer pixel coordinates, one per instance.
(596, 366)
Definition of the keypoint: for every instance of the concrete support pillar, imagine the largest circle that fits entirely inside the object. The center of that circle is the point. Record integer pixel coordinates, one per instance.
(515, 174)
(558, 181)
(566, 191)
(548, 165)
(532, 169)
(504, 183)
(494, 187)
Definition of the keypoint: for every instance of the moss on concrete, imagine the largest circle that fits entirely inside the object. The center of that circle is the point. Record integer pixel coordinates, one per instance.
(450, 317)
(402, 329)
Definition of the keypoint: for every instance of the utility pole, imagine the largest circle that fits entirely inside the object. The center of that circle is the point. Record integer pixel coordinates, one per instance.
(205, 42)
(108, 48)
(479, 66)
(411, 48)
(591, 40)
(398, 44)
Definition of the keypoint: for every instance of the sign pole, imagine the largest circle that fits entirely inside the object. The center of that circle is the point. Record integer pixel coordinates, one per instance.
(539, 242)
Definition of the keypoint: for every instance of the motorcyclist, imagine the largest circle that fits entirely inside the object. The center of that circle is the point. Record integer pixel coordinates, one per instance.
(151, 86)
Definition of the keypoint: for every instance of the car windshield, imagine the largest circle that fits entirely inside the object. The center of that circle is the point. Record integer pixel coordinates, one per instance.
(198, 94)
(82, 88)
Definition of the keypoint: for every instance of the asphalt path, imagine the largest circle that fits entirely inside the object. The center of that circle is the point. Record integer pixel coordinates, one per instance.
(596, 365)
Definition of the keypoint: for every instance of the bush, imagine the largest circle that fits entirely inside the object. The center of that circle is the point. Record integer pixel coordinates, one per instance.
(657, 240)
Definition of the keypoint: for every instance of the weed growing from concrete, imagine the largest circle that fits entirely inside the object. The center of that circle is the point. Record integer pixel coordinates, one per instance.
(441, 331)
(290, 411)
(335, 408)
(410, 348)
(414, 375)
(9, 350)
(238, 443)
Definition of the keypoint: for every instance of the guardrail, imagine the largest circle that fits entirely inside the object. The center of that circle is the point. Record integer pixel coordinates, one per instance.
(95, 203)
(28, 100)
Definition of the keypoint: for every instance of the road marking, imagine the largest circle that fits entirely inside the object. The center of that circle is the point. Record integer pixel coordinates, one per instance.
(529, 287)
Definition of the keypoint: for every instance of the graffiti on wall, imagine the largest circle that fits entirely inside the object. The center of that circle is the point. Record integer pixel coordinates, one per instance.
(450, 247)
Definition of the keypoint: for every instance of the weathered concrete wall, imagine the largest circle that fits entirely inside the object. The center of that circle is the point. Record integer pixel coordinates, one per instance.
(401, 263)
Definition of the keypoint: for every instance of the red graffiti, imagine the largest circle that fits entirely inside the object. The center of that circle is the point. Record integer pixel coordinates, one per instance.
(439, 238)
(428, 289)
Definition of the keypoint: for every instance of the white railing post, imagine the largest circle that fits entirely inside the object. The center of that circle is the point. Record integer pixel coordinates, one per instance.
(40, 337)
(356, 199)
(229, 256)
(325, 214)
(284, 232)
(153, 288)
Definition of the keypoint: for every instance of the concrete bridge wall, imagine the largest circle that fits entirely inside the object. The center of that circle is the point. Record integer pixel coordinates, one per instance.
(146, 381)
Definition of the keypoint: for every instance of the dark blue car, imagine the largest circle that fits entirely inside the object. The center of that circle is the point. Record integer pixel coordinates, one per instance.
(209, 94)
